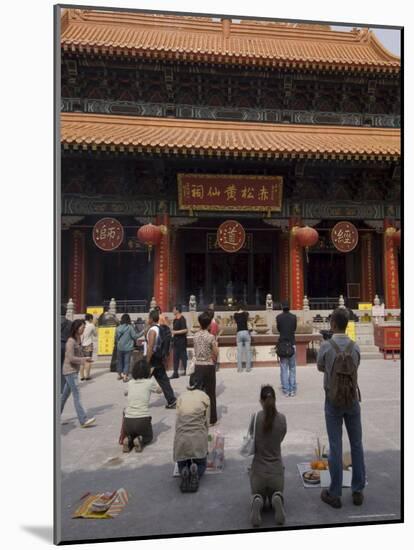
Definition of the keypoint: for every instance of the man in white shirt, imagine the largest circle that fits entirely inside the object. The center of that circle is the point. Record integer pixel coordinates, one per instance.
(88, 336)
(156, 361)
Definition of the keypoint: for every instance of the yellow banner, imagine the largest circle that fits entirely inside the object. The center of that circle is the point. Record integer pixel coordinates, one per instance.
(350, 330)
(95, 310)
(364, 306)
(106, 340)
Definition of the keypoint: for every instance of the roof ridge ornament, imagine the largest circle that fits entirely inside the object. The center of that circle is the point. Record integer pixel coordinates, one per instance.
(226, 27)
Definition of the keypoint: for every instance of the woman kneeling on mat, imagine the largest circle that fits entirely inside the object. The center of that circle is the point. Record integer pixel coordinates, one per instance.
(191, 434)
(138, 427)
(267, 471)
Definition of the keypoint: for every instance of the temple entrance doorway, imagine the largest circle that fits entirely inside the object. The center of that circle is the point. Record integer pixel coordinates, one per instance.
(217, 276)
(326, 275)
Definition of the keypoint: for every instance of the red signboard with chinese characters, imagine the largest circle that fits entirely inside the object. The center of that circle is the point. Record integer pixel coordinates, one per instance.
(344, 236)
(229, 192)
(390, 268)
(231, 236)
(108, 234)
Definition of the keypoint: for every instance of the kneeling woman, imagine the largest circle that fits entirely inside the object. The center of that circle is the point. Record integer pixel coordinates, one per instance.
(138, 427)
(191, 434)
(267, 471)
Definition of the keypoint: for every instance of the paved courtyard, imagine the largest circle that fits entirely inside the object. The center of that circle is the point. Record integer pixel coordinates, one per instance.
(92, 460)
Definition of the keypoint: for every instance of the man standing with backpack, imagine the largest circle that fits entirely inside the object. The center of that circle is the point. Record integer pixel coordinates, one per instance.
(286, 323)
(158, 349)
(338, 359)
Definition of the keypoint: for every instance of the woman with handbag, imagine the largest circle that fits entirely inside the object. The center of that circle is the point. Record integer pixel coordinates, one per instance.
(267, 431)
(191, 434)
(74, 359)
(206, 354)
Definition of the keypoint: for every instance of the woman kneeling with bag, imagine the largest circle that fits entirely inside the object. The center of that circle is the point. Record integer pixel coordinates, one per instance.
(267, 470)
(191, 434)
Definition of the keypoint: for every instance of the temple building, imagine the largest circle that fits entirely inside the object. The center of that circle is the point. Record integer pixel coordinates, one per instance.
(187, 123)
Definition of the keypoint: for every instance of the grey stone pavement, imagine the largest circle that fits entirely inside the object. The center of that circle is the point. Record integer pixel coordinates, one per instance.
(156, 505)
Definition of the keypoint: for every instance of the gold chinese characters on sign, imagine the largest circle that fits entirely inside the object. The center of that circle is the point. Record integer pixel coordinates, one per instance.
(231, 236)
(229, 192)
(344, 236)
(108, 234)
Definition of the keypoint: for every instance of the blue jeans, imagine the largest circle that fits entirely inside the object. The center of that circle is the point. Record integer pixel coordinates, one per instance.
(201, 464)
(71, 386)
(288, 373)
(243, 343)
(352, 417)
(123, 360)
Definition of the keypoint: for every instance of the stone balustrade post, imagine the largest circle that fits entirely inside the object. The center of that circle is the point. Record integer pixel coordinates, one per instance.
(192, 304)
(70, 309)
(112, 307)
(269, 302)
(306, 311)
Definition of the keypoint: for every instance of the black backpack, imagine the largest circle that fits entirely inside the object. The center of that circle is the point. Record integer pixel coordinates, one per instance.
(163, 343)
(343, 387)
(284, 349)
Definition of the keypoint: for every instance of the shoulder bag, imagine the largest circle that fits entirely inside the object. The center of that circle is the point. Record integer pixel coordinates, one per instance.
(248, 445)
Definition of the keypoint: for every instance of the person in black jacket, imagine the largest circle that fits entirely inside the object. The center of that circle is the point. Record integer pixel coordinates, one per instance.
(286, 323)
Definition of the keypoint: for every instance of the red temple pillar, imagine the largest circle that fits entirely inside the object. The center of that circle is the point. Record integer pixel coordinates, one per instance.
(77, 271)
(391, 286)
(284, 266)
(174, 265)
(367, 267)
(296, 268)
(162, 265)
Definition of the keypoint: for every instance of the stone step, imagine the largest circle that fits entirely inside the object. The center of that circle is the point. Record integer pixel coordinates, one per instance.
(368, 349)
(365, 342)
(364, 330)
(371, 355)
(102, 362)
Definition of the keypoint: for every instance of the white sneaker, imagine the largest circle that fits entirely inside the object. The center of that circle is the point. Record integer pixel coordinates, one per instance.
(88, 422)
(277, 505)
(255, 514)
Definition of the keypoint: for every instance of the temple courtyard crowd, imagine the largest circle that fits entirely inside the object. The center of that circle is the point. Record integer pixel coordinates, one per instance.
(196, 410)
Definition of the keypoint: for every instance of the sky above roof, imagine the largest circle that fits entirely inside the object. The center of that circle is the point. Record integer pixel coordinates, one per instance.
(389, 38)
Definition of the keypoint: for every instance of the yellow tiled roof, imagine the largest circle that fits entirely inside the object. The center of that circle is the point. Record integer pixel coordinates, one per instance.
(202, 39)
(173, 136)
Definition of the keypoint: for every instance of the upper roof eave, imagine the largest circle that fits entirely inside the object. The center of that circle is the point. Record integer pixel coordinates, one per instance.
(192, 38)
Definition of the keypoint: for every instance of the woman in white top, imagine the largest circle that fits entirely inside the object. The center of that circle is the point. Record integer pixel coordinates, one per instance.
(138, 427)
(87, 346)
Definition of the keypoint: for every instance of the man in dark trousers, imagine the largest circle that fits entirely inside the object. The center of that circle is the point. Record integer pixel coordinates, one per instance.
(157, 361)
(179, 333)
(335, 416)
(286, 323)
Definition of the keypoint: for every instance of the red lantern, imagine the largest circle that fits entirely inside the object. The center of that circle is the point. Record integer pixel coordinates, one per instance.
(150, 235)
(397, 238)
(306, 236)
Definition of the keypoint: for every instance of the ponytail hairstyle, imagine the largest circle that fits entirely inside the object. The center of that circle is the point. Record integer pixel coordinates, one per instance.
(268, 399)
